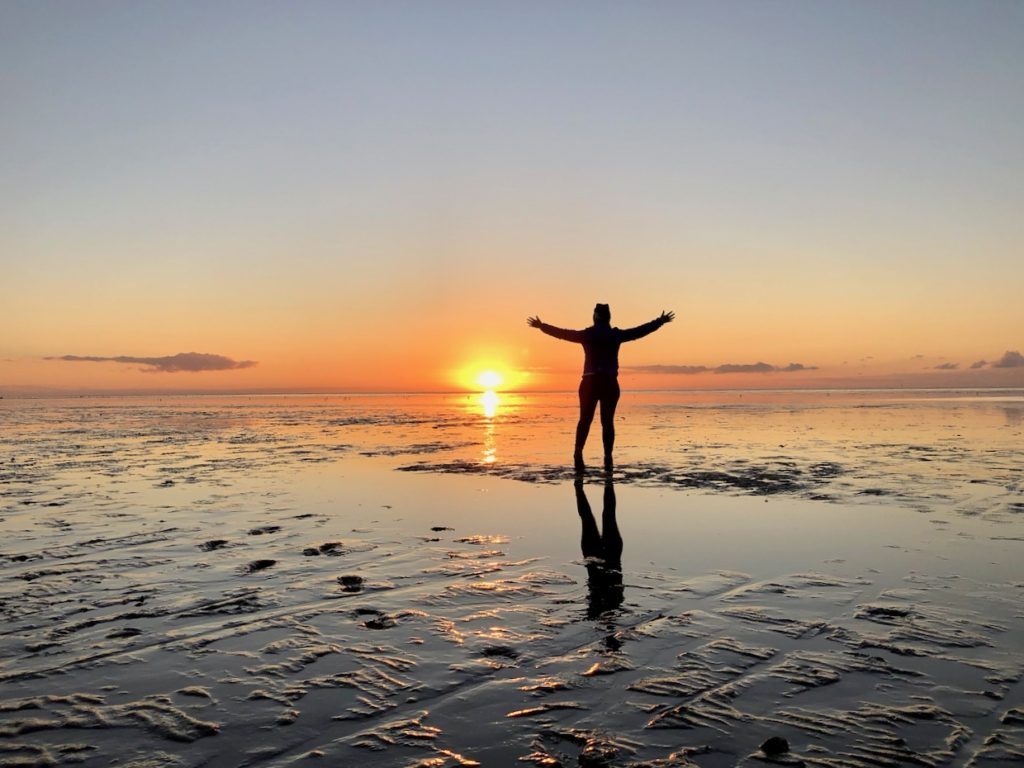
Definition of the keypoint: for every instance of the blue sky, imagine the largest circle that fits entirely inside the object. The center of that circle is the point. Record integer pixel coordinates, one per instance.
(808, 179)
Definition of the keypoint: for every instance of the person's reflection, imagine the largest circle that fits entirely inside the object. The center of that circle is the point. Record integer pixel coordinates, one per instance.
(602, 551)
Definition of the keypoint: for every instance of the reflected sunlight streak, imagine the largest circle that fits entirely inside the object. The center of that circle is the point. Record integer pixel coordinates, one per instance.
(489, 399)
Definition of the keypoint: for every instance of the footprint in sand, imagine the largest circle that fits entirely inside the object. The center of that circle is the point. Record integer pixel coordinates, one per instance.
(257, 565)
(351, 583)
(332, 548)
(264, 529)
(380, 619)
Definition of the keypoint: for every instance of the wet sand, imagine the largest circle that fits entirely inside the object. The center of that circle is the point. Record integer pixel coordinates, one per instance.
(393, 583)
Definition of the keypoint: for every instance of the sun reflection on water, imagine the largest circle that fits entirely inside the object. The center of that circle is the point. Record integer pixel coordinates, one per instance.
(489, 400)
(490, 403)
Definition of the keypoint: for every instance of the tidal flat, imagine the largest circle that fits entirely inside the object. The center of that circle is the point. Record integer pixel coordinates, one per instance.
(820, 579)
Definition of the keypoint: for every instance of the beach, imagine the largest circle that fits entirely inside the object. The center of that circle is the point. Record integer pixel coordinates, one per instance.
(799, 578)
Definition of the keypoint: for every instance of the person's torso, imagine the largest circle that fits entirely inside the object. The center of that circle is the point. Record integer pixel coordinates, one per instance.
(601, 350)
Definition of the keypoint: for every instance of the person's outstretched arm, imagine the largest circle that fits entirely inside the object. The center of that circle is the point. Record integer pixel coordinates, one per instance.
(632, 334)
(559, 333)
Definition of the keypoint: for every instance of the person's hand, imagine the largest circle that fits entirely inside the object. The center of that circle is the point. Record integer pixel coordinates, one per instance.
(533, 322)
(667, 317)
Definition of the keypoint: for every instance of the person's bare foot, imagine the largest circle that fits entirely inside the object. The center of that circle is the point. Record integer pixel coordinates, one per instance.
(577, 461)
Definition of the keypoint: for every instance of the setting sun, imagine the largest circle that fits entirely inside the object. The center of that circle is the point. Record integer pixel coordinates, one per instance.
(486, 373)
(489, 379)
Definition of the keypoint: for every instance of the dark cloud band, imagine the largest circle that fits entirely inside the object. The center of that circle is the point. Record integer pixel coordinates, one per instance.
(682, 369)
(1010, 359)
(191, 362)
(725, 368)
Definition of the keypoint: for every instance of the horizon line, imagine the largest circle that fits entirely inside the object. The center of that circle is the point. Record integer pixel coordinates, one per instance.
(54, 393)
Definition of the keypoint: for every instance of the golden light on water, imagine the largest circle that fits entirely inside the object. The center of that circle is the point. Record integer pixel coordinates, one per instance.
(489, 380)
(489, 399)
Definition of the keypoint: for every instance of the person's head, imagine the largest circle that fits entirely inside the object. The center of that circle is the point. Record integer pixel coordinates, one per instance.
(602, 313)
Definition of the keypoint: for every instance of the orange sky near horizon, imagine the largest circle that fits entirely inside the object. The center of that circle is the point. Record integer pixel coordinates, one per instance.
(374, 198)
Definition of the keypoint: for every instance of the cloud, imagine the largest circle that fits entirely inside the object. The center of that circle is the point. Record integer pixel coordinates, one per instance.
(978, 364)
(745, 368)
(1010, 360)
(683, 369)
(687, 370)
(763, 368)
(192, 362)
(947, 366)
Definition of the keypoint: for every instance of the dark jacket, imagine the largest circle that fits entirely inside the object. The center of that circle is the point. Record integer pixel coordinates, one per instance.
(601, 343)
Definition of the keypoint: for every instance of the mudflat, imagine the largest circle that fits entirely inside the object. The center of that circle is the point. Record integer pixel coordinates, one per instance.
(826, 579)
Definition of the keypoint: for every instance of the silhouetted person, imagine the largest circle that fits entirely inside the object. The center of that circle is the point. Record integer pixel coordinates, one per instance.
(603, 552)
(600, 382)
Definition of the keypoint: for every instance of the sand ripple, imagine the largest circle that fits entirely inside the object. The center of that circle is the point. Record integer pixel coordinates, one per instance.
(168, 599)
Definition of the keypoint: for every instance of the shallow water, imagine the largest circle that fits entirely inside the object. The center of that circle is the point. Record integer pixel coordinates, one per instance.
(414, 581)
(917, 448)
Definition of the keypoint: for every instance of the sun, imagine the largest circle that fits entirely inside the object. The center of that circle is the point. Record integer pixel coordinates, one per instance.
(489, 379)
(486, 374)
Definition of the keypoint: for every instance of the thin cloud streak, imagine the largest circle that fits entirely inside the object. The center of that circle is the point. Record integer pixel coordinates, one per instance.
(746, 368)
(189, 362)
(688, 370)
(682, 369)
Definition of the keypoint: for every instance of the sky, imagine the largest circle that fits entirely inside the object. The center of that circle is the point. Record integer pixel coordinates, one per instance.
(331, 196)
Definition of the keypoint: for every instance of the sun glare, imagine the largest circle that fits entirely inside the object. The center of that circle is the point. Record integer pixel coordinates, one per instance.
(487, 374)
(490, 401)
(489, 379)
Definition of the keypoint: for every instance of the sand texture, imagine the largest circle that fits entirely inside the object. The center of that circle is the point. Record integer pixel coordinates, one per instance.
(410, 582)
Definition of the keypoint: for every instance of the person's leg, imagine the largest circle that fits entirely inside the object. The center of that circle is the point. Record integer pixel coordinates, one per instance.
(588, 404)
(609, 399)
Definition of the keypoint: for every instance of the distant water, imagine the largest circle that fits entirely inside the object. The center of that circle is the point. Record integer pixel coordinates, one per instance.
(959, 449)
